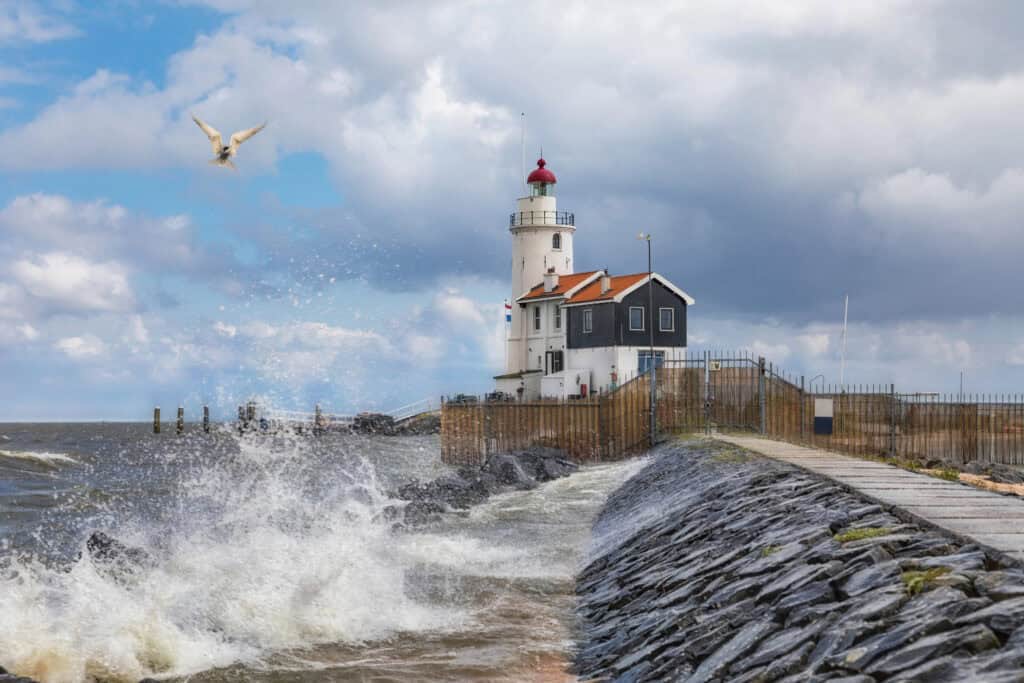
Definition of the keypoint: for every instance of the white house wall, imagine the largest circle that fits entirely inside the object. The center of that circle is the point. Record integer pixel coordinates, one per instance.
(538, 343)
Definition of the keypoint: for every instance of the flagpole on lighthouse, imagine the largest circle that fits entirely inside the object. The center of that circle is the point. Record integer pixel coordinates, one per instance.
(508, 328)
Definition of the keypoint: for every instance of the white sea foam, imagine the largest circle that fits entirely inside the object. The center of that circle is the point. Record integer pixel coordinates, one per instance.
(267, 553)
(256, 562)
(44, 457)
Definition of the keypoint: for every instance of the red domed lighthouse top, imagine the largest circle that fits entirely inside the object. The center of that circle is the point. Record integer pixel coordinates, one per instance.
(541, 174)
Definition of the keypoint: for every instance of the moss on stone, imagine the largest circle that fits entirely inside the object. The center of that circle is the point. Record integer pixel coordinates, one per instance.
(770, 550)
(861, 534)
(731, 455)
(917, 581)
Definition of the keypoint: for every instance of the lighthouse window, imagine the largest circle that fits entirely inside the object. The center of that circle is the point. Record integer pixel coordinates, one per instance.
(588, 321)
(536, 318)
(636, 319)
(556, 241)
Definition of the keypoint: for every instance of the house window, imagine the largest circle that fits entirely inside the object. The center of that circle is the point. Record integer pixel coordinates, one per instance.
(536, 318)
(558, 317)
(644, 360)
(588, 321)
(556, 241)
(667, 321)
(636, 319)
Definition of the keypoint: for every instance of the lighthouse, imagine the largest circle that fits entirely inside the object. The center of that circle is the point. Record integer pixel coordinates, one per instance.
(573, 333)
(541, 248)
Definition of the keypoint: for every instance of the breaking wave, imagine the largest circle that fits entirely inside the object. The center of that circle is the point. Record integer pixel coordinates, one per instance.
(265, 550)
(41, 457)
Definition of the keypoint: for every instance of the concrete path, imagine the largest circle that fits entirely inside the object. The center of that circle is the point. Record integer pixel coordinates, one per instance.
(983, 517)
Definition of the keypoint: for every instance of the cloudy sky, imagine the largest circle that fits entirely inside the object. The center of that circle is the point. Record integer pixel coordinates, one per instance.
(782, 153)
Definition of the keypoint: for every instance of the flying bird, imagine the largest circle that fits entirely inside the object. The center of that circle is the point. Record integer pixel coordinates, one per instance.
(225, 152)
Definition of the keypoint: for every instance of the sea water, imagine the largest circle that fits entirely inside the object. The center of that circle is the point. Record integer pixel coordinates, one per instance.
(275, 559)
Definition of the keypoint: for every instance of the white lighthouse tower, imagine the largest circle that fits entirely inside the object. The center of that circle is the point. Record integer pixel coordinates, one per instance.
(541, 244)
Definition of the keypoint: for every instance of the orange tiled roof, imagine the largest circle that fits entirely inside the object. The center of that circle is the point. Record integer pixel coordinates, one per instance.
(565, 283)
(592, 292)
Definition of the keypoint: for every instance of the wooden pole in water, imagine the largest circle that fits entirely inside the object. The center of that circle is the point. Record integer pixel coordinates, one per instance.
(156, 420)
(241, 419)
(206, 419)
(181, 420)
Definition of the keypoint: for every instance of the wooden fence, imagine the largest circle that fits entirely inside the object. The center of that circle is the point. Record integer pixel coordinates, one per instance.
(876, 420)
(603, 427)
(737, 391)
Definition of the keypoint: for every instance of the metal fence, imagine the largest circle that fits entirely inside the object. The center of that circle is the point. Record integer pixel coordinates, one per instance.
(739, 391)
(866, 419)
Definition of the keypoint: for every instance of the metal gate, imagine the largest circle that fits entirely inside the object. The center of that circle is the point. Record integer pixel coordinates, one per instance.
(735, 391)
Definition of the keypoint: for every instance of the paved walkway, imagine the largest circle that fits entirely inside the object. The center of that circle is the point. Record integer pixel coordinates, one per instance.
(987, 518)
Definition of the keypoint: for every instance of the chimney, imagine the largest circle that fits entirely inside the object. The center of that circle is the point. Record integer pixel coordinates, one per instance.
(606, 282)
(550, 280)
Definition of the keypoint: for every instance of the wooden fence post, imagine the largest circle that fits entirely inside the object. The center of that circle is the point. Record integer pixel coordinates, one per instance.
(760, 393)
(803, 402)
(892, 420)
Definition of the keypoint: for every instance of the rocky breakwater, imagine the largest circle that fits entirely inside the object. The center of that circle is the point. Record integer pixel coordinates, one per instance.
(713, 564)
(468, 486)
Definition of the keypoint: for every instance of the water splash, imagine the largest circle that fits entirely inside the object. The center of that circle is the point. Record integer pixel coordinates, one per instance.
(261, 551)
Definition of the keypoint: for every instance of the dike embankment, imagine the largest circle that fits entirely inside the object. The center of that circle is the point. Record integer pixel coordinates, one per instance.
(716, 564)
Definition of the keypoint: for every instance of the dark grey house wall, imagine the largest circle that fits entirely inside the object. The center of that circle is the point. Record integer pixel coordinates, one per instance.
(611, 321)
(604, 326)
(663, 298)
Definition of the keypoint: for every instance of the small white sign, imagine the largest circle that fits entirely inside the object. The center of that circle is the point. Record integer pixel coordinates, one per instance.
(715, 365)
(822, 407)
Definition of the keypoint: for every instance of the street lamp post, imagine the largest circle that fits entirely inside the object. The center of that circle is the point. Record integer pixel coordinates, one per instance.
(652, 365)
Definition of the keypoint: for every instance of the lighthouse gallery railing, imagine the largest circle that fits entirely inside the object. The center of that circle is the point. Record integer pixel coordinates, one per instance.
(541, 218)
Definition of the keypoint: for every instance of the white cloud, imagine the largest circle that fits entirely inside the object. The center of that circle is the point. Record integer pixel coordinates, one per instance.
(28, 332)
(136, 333)
(23, 21)
(78, 348)
(98, 228)
(72, 284)
(814, 344)
(775, 353)
(225, 330)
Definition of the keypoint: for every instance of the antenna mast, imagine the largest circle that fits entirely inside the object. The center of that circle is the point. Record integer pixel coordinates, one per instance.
(522, 147)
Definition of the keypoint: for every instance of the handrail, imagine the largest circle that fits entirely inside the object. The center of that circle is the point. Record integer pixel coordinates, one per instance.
(541, 218)
(425, 405)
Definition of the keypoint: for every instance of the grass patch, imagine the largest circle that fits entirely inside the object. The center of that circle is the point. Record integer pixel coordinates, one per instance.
(948, 474)
(770, 550)
(861, 534)
(917, 581)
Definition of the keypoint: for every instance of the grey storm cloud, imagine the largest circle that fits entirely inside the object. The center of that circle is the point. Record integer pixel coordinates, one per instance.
(781, 153)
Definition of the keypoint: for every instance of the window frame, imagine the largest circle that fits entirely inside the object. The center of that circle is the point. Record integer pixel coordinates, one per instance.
(588, 320)
(556, 242)
(557, 322)
(661, 319)
(643, 316)
(537, 318)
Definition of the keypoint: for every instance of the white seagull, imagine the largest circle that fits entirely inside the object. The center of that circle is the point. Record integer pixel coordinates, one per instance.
(225, 152)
